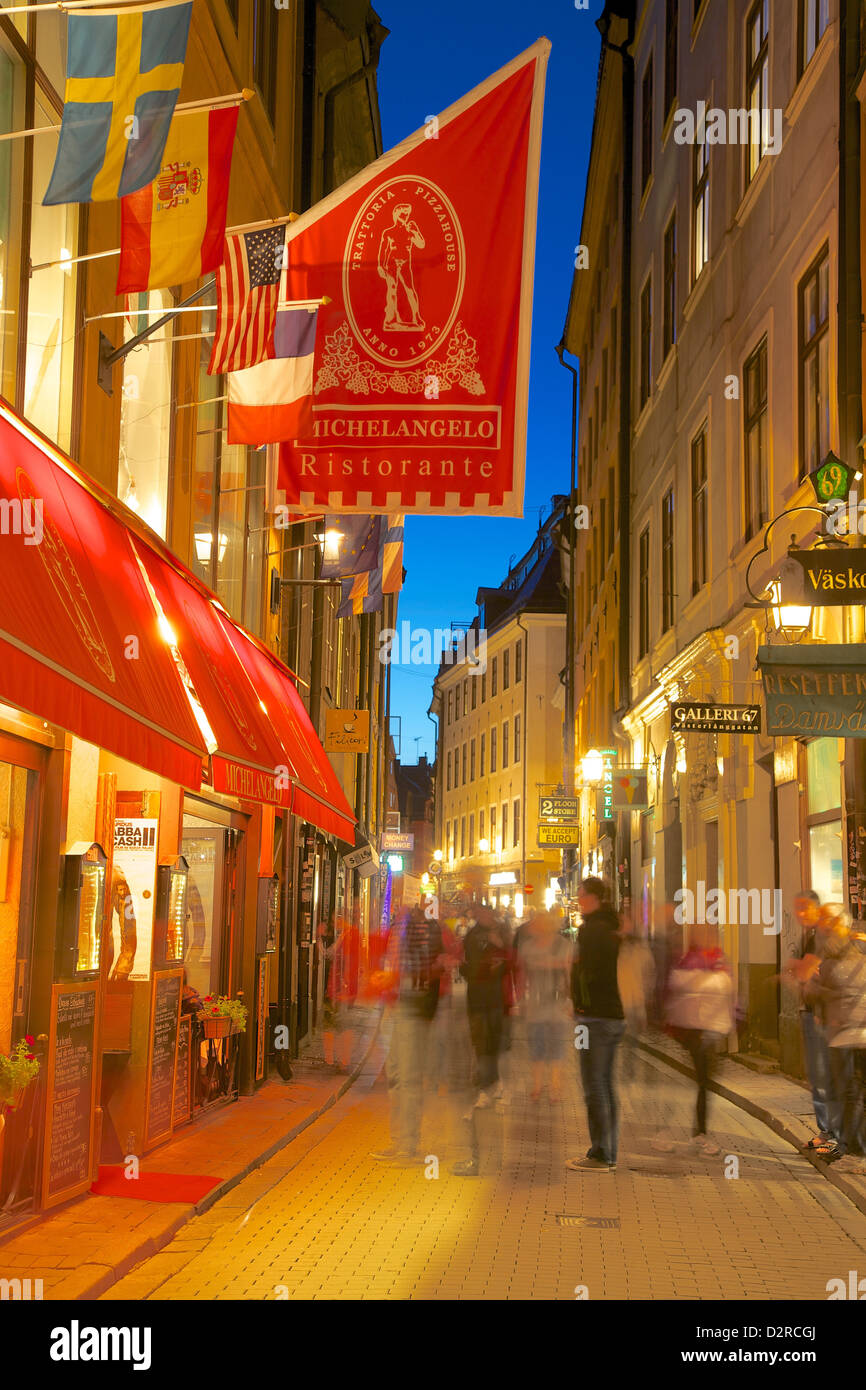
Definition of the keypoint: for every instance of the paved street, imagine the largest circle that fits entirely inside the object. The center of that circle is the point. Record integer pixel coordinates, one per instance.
(324, 1220)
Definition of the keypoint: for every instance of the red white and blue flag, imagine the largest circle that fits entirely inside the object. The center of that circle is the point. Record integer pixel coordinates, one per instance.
(274, 400)
(248, 288)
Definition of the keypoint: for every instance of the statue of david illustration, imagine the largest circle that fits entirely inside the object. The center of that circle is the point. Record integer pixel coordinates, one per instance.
(402, 305)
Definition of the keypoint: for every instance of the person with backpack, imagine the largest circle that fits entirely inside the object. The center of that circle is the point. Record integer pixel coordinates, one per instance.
(601, 1023)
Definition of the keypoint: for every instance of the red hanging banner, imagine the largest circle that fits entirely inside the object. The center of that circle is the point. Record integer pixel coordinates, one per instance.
(422, 356)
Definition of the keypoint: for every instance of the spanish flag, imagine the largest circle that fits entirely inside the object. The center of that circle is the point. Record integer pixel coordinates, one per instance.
(174, 230)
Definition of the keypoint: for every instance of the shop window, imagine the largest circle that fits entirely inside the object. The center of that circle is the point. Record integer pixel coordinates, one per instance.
(11, 178)
(824, 819)
(146, 413)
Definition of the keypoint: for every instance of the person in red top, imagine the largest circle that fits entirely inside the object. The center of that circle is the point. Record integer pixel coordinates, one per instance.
(343, 959)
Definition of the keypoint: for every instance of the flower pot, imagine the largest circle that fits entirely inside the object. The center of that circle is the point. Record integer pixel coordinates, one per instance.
(215, 1025)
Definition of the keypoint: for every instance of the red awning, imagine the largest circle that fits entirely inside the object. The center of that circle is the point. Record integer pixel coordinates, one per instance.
(248, 758)
(317, 795)
(79, 641)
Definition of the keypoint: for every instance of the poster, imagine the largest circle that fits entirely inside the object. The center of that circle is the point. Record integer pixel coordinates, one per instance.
(133, 897)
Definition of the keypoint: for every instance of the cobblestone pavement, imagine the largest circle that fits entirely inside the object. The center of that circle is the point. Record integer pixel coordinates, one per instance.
(323, 1220)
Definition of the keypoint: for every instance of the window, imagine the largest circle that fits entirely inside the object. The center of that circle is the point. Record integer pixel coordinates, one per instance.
(472, 834)
(265, 37)
(669, 288)
(462, 837)
(646, 125)
(612, 348)
(506, 679)
(668, 559)
(448, 839)
(474, 692)
(814, 349)
(823, 817)
(463, 777)
(699, 510)
(645, 382)
(517, 738)
(643, 593)
(493, 673)
(611, 523)
(602, 529)
(449, 707)
(515, 825)
(755, 448)
(482, 754)
(448, 773)
(492, 750)
(518, 662)
(671, 20)
(457, 704)
(481, 825)
(757, 84)
(505, 744)
(700, 208)
(814, 18)
(456, 768)
(483, 688)
(465, 697)
(472, 761)
(604, 391)
(493, 827)
(504, 831)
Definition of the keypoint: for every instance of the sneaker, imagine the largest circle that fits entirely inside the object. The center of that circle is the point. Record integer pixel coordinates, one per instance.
(483, 1102)
(467, 1169)
(829, 1151)
(598, 1165)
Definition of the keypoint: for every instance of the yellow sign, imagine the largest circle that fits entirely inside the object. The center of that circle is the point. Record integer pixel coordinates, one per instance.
(347, 731)
(561, 835)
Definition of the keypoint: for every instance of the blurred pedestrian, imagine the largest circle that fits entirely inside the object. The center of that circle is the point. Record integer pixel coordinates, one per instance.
(841, 987)
(801, 973)
(700, 1011)
(635, 974)
(598, 1010)
(341, 941)
(486, 960)
(417, 961)
(543, 989)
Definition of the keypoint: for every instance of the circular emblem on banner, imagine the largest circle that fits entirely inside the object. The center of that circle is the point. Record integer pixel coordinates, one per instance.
(404, 271)
(67, 583)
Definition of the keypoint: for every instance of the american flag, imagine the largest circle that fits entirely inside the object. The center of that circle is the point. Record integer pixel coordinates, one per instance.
(247, 294)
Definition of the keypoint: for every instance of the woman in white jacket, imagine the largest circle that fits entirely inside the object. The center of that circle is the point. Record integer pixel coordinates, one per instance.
(700, 1014)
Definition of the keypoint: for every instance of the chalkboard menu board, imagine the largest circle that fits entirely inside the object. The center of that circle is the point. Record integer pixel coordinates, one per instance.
(164, 1016)
(182, 1107)
(71, 1083)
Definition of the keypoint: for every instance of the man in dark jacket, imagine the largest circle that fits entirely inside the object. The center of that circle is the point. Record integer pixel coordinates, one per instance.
(486, 960)
(601, 1023)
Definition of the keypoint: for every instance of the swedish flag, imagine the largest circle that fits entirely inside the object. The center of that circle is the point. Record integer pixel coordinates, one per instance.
(363, 593)
(123, 76)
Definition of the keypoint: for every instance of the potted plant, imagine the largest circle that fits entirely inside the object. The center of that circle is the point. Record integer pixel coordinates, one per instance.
(221, 1016)
(16, 1073)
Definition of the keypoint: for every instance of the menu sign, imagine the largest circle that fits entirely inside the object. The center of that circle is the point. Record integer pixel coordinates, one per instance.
(164, 1016)
(71, 1083)
(182, 1106)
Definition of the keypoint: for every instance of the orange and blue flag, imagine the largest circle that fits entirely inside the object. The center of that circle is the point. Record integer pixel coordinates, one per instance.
(123, 74)
(364, 593)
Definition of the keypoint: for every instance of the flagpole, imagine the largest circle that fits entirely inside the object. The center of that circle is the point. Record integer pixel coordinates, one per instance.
(64, 5)
(115, 250)
(201, 309)
(183, 108)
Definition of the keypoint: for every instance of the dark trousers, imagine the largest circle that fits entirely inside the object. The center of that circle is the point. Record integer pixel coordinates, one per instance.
(701, 1047)
(846, 1072)
(599, 1090)
(485, 1030)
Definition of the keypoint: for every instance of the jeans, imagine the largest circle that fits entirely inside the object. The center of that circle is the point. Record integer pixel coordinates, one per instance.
(596, 1072)
(847, 1079)
(701, 1047)
(485, 1030)
(405, 1068)
(825, 1098)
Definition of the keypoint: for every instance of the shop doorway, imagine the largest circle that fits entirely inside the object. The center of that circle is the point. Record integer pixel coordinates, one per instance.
(20, 767)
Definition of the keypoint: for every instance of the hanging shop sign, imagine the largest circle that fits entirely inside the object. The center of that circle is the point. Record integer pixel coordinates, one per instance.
(689, 717)
(606, 807)
(814, 690)
(630, 789)
(347, 731)
(365, 860)
(401, 841)
(833, 480)
(557, 836)
(560, 809)
(830, 578)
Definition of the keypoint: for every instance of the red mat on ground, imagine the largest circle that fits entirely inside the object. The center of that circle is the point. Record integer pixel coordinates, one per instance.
(152, 1187)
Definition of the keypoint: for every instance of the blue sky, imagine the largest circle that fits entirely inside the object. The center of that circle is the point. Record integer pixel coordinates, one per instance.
(432, 57)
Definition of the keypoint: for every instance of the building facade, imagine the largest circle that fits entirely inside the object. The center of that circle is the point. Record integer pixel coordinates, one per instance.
(148, 456)
(499, 710)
